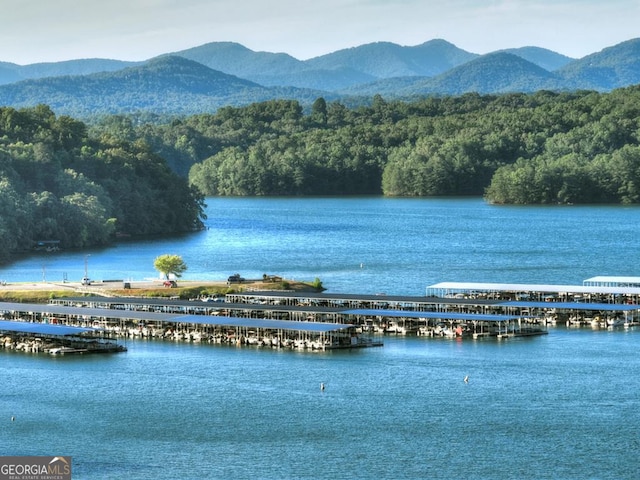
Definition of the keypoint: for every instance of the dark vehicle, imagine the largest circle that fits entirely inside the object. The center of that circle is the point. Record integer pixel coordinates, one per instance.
(235, 278)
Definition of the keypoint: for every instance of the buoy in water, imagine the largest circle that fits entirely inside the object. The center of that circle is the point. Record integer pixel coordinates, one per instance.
(322, 387)
(466, 379)
(13, 419)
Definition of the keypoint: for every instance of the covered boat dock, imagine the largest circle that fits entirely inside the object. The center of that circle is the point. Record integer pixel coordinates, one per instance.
(536, 292)
(455, 324)
(54, 339)
(193, 327)
(578, 313)
(612, 281)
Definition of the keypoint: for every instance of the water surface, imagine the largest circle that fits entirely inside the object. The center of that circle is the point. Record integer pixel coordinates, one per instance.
(561, 406)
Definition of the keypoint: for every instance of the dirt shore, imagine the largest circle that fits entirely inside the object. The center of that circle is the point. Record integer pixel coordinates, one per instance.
(37, 291)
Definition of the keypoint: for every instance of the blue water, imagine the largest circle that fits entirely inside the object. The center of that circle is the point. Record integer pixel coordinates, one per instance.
(374, 245)
(561, 406)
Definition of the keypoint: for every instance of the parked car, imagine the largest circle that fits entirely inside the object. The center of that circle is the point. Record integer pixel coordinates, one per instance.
(170, 283)
(235, 278)
(86, 281)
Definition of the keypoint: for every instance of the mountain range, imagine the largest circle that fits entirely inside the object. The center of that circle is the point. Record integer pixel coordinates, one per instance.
(205, 78)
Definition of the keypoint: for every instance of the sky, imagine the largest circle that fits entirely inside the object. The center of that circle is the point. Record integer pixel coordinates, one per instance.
(34, 31)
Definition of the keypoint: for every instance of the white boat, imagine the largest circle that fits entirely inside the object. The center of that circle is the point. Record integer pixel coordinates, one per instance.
(615, 322)
(63, 350)
(393, 327)
(423, 331)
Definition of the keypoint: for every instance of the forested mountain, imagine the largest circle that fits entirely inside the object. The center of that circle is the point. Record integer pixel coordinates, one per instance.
(499, 72)
(386, 60)
(58, 183)
(167, 85)
(354, 75)
(238, 60)
(613, 67)
(10, 72)
(273, 69)
(541, 57)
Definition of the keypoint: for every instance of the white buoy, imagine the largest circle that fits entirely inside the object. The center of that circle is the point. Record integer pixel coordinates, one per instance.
(322, 387)
(466, 379)
(13, 419)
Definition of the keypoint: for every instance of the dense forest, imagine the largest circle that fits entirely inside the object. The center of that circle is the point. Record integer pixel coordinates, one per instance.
(60, 186)
(83, 184)
(578, 147)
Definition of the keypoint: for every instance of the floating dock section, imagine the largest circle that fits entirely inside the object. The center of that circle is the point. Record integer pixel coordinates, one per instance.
(53, 339)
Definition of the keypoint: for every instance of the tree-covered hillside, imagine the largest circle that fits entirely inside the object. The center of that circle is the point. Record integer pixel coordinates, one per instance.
(59, 184)
(515, 148)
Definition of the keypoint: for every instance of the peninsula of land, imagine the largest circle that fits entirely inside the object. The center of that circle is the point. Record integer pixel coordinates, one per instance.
(184, 289)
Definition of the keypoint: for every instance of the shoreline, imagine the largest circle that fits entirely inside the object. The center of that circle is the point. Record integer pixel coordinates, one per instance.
(43, 291)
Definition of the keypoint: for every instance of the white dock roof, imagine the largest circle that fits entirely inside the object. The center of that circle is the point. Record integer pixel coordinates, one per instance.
(612, 281)
(530, 287)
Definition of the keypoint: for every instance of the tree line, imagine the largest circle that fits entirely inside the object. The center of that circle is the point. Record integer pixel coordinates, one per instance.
(60, 184)
(546, 147)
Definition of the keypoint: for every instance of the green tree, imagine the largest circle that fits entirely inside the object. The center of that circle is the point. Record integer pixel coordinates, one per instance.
(170, 265)
(319, 111)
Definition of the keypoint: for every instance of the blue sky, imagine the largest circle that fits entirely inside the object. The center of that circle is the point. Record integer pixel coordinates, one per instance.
(34, 31)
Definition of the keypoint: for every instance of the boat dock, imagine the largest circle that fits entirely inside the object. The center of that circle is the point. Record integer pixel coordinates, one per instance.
(325, 321)
(193, 324)
(38, 337)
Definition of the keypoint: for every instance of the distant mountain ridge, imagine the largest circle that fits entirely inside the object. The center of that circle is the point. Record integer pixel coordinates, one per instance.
(204, 78)
(15, 73)
(169, 85)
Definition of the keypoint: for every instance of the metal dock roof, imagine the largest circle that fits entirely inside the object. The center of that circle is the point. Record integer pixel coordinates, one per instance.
(530, 287)
(170, 317)
(50, 309)
(374, 312)
(261, 323)
(605, 307)
(42, 328)
(612, 281)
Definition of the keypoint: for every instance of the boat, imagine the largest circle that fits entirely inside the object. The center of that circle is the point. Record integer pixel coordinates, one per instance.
(66, 350)
(615, 322)
(394, 327)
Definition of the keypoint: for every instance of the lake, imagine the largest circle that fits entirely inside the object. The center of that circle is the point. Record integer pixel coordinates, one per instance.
(560, 406)
(373, 244)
